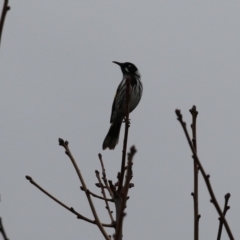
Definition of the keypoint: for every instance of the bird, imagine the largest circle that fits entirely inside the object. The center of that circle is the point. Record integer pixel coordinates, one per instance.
(129, 71)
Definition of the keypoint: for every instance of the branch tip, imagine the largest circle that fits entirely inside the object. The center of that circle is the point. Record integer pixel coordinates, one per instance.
(133, 150)
(28, 178)
(178, 113)
(227, 196)
(193, 111)
(61, 142)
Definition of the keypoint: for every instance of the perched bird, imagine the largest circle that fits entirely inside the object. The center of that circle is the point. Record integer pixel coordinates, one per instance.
(129, 70)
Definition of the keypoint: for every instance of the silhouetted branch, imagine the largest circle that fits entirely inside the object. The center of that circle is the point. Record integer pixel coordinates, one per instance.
(124, 194)
(64, 144)
(71, 209)
(225, 209)
(205, 176)
(104, 196)
(97, 196)
(104, 177)
(2, 230)
(5, 9)
(194, 113)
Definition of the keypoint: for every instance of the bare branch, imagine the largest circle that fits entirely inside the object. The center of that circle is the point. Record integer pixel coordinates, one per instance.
(104, 176)
(205, 176)
(71, 209)
(97, 196)
(194, 113)
(226, 208)
(104, 196)
(64, 144)
(2, 230)
(124, 195)
(5, 9)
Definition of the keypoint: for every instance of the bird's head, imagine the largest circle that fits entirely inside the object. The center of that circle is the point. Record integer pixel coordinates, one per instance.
(128, 69)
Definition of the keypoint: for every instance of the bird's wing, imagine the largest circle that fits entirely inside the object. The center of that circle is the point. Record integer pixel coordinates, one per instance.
(118, 100)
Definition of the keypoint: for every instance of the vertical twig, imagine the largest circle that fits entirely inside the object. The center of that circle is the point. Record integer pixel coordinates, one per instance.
(104, 196)
(5, 9)
(2, 19)
(226, 207)
(124, 195)
(2, 230)
(205, 176)
(104, 176)
(194, 113)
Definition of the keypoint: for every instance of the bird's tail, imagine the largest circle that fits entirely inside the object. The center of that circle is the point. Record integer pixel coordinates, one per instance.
(111, 140)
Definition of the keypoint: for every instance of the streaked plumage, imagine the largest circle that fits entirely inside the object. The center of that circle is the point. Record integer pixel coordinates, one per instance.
(129, 70)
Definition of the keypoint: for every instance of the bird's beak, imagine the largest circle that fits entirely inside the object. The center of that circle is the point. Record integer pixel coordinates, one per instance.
(118, 63)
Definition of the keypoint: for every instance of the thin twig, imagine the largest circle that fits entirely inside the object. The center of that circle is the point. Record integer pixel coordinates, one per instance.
(104, 177)
(2, 230)
(205, 176)
(104, 196)
(124, 151)
(113, 188)
(5, 9)
(98, 196)
(194, 113)
(69, 154)
(125, 191)
(71, 209)
(225, 209)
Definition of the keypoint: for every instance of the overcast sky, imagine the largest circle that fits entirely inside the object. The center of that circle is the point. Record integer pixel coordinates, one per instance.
(58, 80)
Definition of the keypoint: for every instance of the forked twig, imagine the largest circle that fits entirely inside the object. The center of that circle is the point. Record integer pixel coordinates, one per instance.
(205, 176)
(71, 209)
(97, 196)
(64, 144)
(225, 209)
(104, 196)
(104, 175)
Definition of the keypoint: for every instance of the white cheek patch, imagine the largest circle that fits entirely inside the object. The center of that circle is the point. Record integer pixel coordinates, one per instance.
(137, 73)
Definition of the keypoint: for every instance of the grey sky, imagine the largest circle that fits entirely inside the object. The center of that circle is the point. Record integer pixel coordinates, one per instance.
(57, 80)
